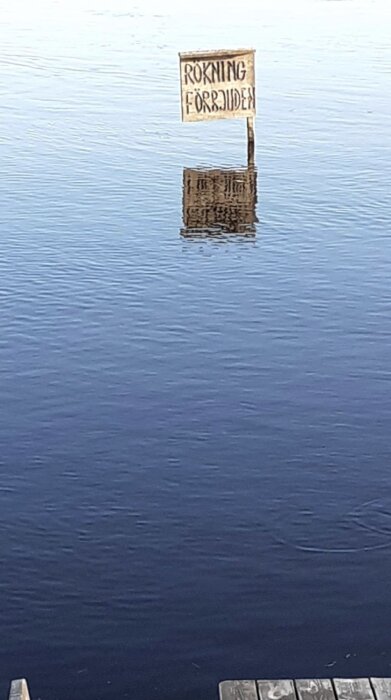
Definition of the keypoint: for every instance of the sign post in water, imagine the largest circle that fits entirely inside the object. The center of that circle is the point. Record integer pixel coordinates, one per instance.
(219, 85)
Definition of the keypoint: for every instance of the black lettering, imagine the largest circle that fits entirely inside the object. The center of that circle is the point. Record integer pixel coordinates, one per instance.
(205, 98)
(198, 101)
(231, 70)
(205, 68)
(251, 97)
(214, 96)
(241, 70)
(197, 72)
(188, 70)
(236, 100)
(224, 94)
(243, 95)
(188, 102)
(216, 72)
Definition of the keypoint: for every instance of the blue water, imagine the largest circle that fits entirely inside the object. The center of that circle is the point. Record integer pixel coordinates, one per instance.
(194, 432)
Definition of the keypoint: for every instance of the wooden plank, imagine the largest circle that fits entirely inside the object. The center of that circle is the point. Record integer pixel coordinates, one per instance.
(238, 690)
(304, 689)
(382, 688)
(274, 690)
(315, 689)
(220, 53)
(353, 689)
(19, 690)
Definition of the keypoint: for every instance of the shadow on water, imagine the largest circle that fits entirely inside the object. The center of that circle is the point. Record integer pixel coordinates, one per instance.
(218, 203)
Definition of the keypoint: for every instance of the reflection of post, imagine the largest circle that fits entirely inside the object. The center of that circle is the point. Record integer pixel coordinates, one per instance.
(250, 141)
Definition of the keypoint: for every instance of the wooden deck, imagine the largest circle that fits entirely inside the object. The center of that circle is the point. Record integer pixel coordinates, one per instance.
(309, 689)
(19, 690)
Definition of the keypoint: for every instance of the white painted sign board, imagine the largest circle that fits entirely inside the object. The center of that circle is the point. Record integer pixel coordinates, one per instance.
(217, 85)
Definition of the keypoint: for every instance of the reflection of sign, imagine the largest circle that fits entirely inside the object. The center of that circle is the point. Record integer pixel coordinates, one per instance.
(217, 84)
(219, 201)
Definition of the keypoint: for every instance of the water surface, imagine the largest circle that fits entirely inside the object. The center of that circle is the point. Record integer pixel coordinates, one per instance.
(194, 431)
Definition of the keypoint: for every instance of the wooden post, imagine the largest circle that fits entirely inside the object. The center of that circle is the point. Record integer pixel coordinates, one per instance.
(19, 690)
(250, 141)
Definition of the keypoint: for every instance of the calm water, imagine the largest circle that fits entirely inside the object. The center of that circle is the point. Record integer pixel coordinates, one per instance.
(194, 432)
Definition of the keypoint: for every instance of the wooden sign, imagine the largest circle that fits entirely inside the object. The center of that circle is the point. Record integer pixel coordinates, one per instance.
(217, 85)
(218, 202)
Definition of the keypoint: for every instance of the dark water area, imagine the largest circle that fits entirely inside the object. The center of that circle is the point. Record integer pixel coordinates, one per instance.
(194, 430)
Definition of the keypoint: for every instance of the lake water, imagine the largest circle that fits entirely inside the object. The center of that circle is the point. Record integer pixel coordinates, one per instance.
(194, 431)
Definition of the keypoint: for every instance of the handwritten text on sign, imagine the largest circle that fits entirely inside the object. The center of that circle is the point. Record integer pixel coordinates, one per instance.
(217, 85)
